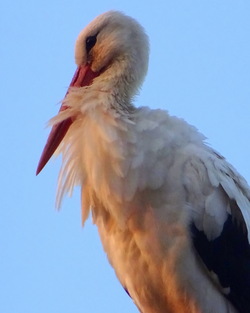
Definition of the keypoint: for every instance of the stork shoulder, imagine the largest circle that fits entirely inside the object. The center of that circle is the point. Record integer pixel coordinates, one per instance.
(218, 200)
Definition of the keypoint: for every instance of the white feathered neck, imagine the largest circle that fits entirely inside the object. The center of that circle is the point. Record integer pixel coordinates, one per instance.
(112, 155)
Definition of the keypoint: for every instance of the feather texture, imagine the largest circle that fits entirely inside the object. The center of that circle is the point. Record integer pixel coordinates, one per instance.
(140, 188)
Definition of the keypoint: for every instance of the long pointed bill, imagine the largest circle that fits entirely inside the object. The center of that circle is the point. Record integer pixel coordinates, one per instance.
(83, 77)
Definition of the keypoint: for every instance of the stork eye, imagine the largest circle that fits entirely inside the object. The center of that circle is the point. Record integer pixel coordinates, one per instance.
(90, 42)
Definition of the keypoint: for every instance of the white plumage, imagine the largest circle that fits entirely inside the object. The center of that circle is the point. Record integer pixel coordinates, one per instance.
(172, 214)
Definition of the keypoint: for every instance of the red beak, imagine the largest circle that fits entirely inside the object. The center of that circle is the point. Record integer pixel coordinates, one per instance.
(83, 77)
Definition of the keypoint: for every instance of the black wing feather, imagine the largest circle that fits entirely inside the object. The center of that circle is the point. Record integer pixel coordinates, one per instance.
(228, 256)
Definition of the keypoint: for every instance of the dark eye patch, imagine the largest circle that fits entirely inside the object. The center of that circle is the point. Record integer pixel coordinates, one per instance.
(90, 42)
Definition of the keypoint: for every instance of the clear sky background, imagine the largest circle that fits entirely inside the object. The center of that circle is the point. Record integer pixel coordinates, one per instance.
(199, 70)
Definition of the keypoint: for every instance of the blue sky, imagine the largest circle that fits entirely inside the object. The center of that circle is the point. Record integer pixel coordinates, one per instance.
(199, 70)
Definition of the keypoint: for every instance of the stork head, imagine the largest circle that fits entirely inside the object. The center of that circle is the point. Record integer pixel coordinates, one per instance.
(111, 53)
(114, 45)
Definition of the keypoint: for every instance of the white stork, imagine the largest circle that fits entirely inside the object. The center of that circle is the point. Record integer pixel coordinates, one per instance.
(172, 214)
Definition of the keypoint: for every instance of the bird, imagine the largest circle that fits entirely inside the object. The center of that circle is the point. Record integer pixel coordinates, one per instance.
(172, 214)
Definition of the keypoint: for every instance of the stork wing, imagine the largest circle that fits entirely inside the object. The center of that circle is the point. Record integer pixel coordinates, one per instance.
(218, 198)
